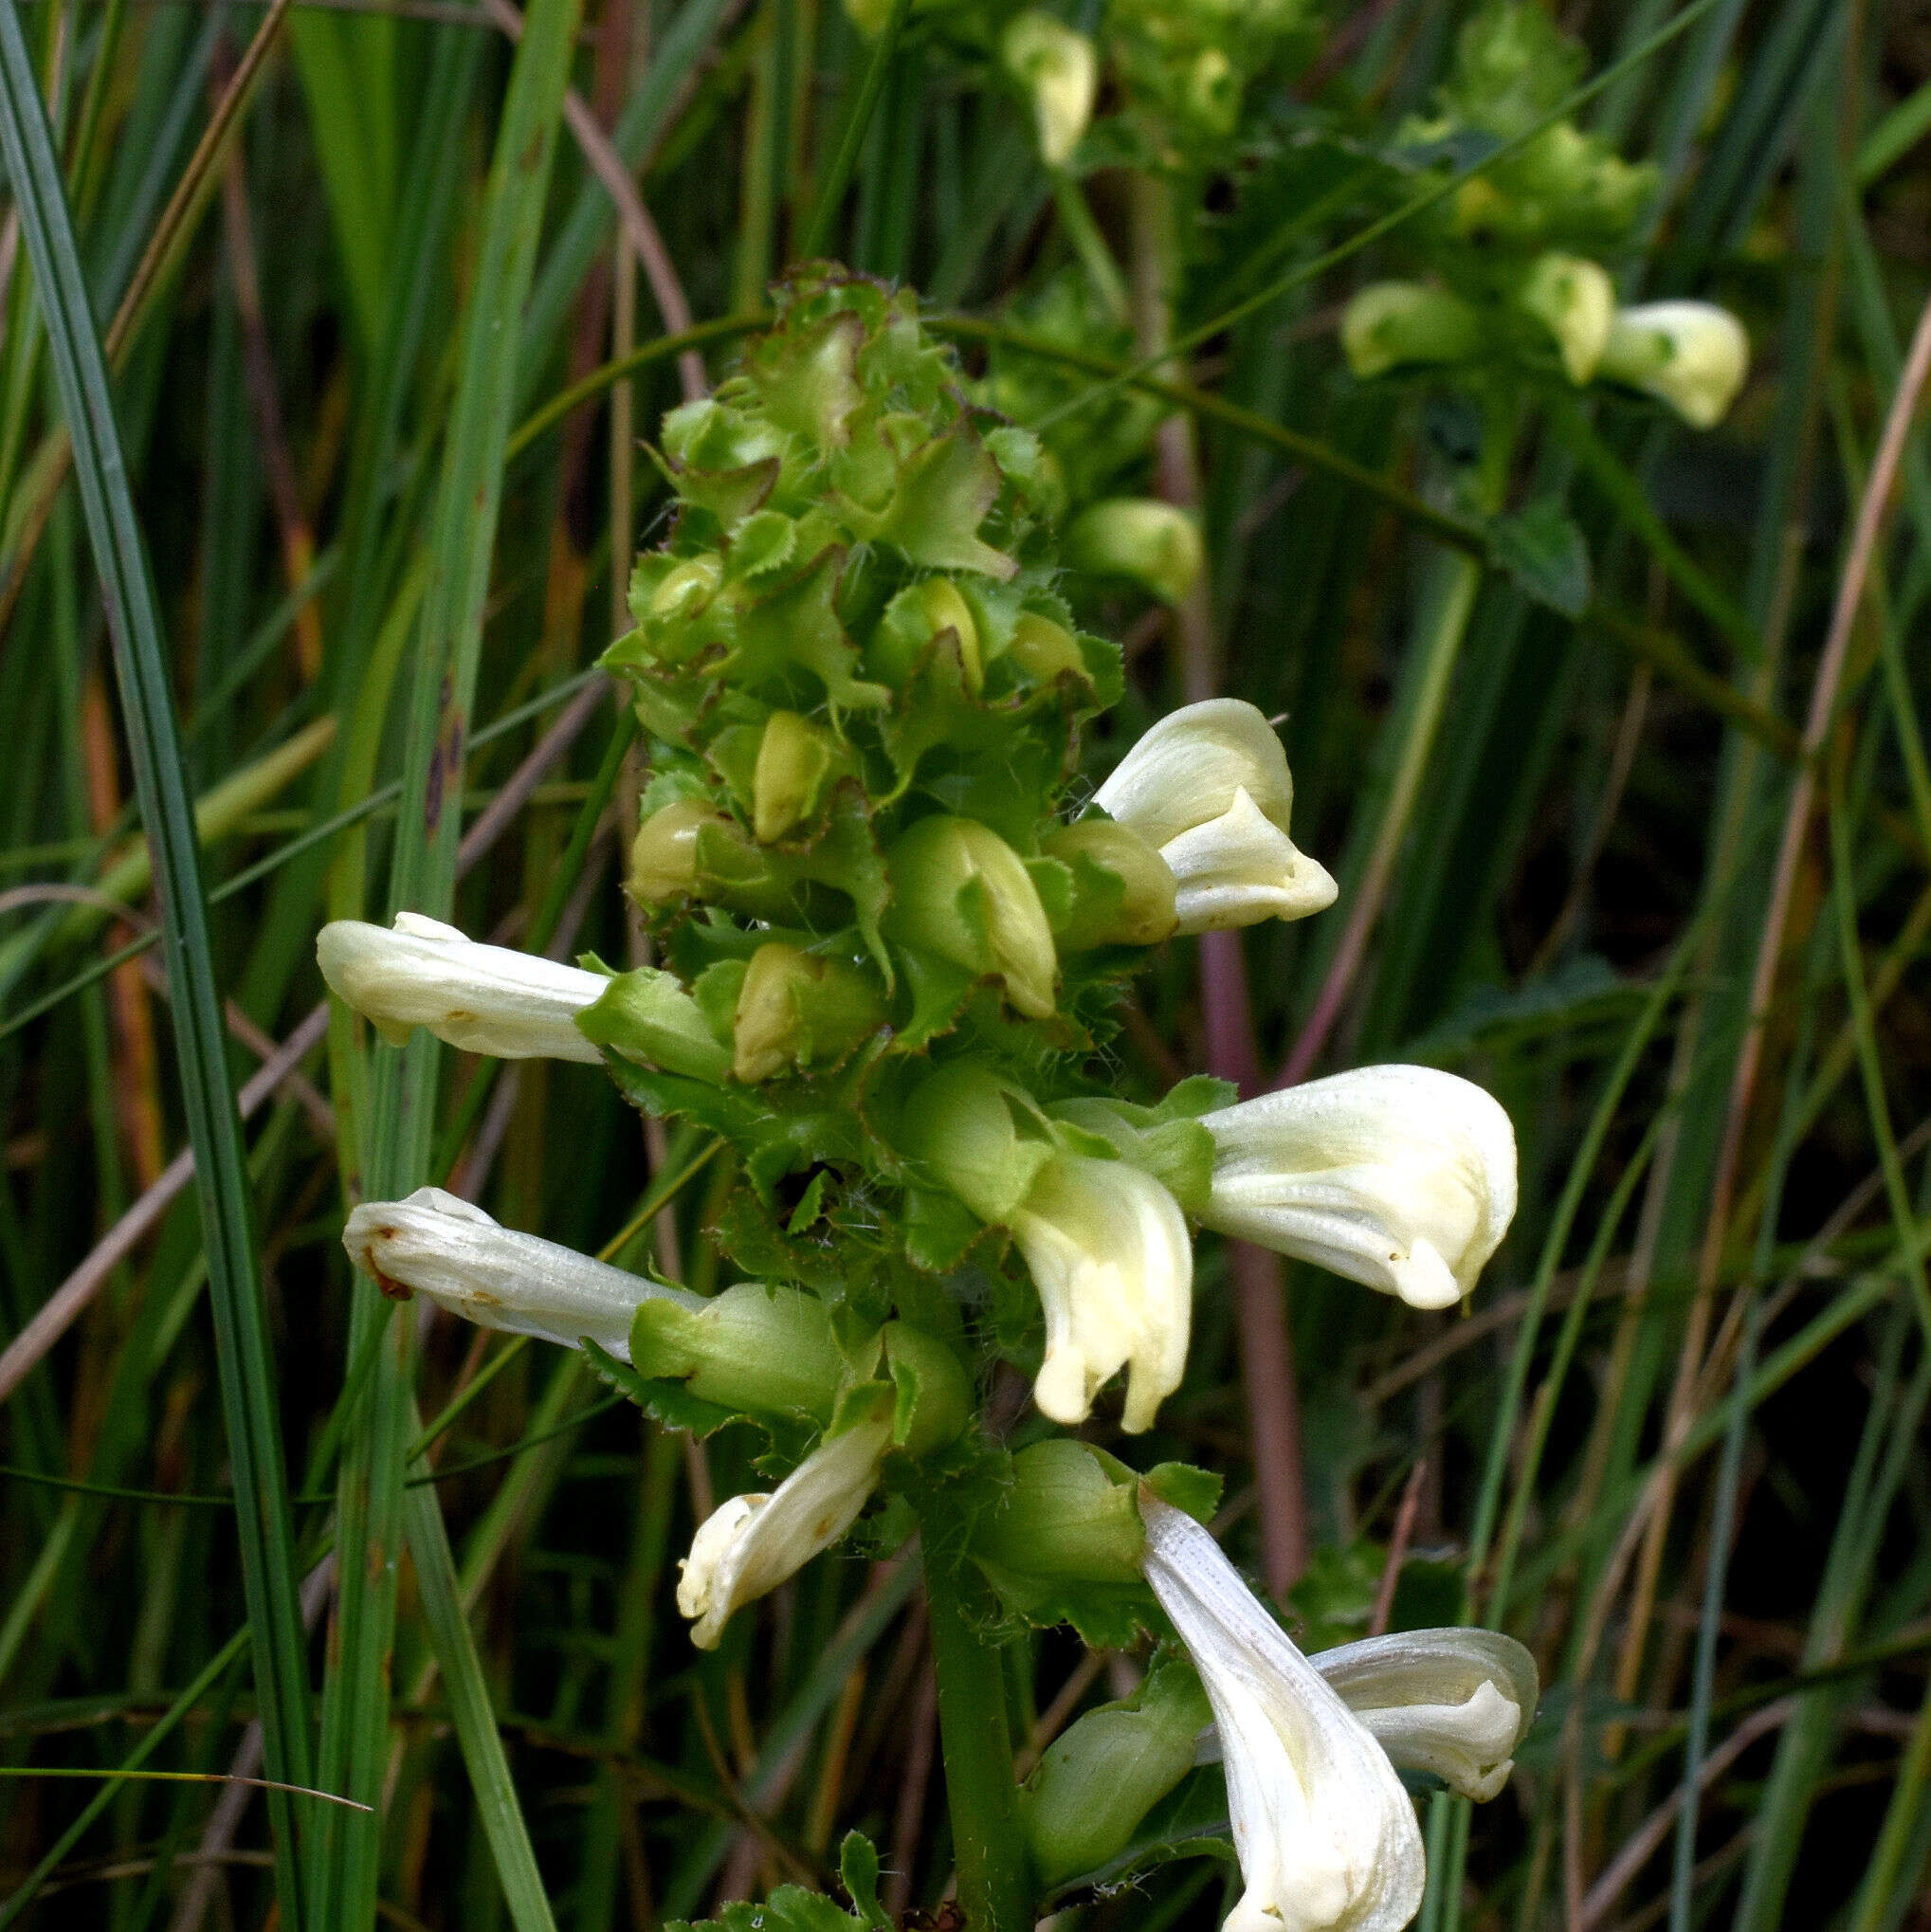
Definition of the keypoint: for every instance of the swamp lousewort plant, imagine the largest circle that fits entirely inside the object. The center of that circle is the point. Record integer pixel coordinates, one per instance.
(894, 949)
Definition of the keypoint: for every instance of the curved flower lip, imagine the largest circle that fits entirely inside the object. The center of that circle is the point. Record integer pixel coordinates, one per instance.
(484, 999)
(1107, 1247)
(751, 1544)
(1400, 1177)
(1693, 355)
(1209, 787)
(466, 1263)
(1326, 1836)
(1453, 1702)
(1060, 68)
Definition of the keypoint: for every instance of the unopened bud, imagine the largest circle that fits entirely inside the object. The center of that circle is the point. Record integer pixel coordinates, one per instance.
(1045, 651)
(985, 1141)
(1058, 67)
(794, 759)
(934, 1391)
(1575, 299)
(1102, 1777)
(796, 1008)
(960, 892)
(1152, 543)
(918, 614)
(1123, 892)
(769, 1351)
(1389, 324)
(689, 848)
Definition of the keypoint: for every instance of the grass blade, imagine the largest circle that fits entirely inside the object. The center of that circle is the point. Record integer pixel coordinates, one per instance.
(248, 1387)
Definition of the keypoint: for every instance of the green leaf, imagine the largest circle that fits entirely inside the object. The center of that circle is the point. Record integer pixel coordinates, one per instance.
(670, 1402)
(858, 1872)
(1545, 554)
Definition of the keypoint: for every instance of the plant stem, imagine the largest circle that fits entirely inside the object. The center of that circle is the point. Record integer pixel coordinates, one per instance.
(994, 1885)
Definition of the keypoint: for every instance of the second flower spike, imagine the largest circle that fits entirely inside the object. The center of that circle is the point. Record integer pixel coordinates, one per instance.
(1209, 787)
(1400, 1177)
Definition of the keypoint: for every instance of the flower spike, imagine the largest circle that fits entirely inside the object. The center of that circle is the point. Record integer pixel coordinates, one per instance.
(1326, 1835)
(484, 999)
(464, 1261)
(1400, 1177)
(1209, 787)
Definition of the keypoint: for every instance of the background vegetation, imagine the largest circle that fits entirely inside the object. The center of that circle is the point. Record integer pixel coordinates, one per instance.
(1644, 851)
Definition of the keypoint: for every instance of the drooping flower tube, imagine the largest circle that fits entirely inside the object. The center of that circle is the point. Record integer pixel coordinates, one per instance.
(1394, 324)
(1692, 354)
(1150, 542)
(1326, 1836)
(1209, 788)
(1105, 1241)
(454, 1254)
(484, 999)
(751, 1544)
(1399, 1177)
(1575, 299)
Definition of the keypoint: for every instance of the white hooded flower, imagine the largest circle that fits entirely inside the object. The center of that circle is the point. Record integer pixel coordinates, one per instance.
(1056, 64)
(1209, 787)
(1326, 1836)
(750, 1544)
(484, 999)
(1452, 1702)
(1400, 1177)
(1108, 1250)
(1692, 354)
(464, 1261)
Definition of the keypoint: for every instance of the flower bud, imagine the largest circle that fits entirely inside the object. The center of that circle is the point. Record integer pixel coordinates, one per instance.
(984, 1140)
(690, 850)
(455, 1255)
(1692, 354)
(484, 999)
(933, 1393)
(1122, 889)
(960, 891)
(1154, 543)
(1209, 787)
(1389, 324)
(1045, 651)
(1575, 299)
(1400, 1177)
(1100, 1779)
(647, 1016)
(757, 1349)
(796, 759)
(798, 1009)
(1057, 66)
(753, 1543)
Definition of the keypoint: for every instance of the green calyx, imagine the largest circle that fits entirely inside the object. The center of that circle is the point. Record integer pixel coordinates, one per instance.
(753, 1349)
(1097, 1782)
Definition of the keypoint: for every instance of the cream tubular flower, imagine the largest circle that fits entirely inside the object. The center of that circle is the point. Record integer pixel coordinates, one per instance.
(1209, 787)
(1108, 1250)
(1400, 1177)
(1575, 299)
(484, 999)
(752, 1544)
(1326, 1836)
(1452, 1702)
(464, 1261)
(1692, 354)
(1058, 67)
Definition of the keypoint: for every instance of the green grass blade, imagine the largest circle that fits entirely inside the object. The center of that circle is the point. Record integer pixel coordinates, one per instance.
(248, 1386)
(395, 1156)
